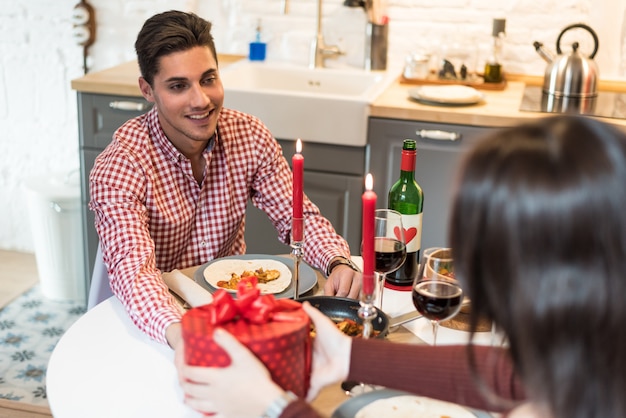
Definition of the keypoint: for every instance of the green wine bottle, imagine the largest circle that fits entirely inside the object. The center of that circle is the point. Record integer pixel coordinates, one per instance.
(407, 197)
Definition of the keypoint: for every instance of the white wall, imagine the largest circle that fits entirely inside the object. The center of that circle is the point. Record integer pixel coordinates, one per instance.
(39, 58)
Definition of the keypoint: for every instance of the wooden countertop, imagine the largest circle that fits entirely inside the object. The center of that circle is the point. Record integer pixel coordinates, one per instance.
(122, 79)
(500, 108)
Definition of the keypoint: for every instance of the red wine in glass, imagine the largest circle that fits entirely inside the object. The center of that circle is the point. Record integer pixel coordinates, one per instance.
(390, 254)
(437, 300)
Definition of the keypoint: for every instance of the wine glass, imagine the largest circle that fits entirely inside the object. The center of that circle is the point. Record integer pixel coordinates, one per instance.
(389, 246)
(436, 293)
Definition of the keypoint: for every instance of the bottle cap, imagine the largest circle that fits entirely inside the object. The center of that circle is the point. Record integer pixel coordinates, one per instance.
(409, 145)
(498, 27)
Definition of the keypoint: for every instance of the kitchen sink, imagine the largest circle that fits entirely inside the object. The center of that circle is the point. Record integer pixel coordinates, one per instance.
(319, 105)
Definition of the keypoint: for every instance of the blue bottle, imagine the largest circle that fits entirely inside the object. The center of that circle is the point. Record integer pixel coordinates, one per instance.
(257, 48)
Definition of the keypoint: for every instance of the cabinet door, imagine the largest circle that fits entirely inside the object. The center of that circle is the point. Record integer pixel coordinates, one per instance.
(99, 116)
(338, 198)
(435, 167)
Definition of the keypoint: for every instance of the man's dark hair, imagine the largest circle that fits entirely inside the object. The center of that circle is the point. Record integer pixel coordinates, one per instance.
(169, 32)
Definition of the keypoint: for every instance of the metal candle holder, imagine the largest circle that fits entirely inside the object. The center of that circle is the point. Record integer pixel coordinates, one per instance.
(367, 311)
(297, 251)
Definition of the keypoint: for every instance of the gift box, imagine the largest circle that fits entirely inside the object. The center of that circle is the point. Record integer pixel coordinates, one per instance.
(277, 331)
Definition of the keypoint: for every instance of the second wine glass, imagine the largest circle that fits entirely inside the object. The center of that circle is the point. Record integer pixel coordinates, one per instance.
(436, 293)
(389, 246)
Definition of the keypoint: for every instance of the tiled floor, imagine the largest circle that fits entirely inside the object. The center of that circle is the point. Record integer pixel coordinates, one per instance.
(30, 327)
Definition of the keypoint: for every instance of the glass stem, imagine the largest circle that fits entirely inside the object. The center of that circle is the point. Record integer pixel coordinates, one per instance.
(381, 286)
(435, 325)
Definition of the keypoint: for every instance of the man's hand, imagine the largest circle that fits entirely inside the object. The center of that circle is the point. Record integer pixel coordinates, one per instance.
(343, 282)
(174, 335)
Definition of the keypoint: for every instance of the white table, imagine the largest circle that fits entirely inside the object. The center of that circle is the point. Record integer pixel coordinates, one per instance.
(103, 366)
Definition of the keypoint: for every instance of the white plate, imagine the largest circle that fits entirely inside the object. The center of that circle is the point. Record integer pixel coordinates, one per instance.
(223, 269)
(308, 277)
(349, 408)
(450, 95)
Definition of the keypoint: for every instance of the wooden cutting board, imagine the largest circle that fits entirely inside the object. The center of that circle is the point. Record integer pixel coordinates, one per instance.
(478, 83)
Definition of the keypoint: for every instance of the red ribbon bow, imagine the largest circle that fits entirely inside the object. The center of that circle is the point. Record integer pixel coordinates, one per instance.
(252, 317)
(250, 305)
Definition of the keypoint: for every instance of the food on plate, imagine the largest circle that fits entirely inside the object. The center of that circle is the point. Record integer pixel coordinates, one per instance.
(273, 276)
(409, 406)
(263, 276)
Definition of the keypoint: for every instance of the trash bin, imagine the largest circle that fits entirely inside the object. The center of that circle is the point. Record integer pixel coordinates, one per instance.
(54, 211)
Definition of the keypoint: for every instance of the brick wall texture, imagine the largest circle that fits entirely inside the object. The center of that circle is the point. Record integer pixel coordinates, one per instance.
(39, 57)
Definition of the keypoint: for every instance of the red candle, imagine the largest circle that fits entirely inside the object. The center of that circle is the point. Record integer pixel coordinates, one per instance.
(297, 164)
(369, 208)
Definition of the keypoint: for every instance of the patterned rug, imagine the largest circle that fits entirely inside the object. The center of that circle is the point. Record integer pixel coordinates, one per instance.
(30, 327)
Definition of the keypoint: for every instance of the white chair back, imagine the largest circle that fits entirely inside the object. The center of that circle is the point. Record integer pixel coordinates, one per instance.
(100, 289)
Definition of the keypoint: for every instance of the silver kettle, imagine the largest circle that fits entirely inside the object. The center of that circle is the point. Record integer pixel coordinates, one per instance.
(570, 75)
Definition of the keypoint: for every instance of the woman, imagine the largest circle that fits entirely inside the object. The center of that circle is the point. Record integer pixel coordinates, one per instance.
(544, 207)
(539, 240)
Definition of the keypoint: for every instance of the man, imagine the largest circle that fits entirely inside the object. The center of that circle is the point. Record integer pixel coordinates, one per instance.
(170, 191)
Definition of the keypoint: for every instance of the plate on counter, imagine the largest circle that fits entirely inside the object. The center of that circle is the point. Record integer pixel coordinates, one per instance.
(447, 95)
(308, 277)
(398, 404)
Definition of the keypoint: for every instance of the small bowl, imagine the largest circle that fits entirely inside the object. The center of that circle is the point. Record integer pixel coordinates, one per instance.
(337, 309)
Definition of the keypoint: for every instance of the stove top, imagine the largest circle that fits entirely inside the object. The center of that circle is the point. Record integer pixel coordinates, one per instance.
(606, 104)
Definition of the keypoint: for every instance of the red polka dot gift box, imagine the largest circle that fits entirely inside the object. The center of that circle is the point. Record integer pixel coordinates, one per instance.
(277, 331)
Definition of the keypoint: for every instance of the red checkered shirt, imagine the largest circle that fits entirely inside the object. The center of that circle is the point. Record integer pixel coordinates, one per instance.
(153, 216)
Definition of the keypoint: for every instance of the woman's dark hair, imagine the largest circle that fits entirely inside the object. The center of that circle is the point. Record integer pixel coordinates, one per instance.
(538, 231)
(169, 32)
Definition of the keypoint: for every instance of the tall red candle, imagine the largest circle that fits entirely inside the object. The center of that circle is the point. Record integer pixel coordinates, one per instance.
(369, 207)
(297, 164)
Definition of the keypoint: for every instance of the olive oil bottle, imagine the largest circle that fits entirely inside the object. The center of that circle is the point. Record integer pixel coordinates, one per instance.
(493, 66)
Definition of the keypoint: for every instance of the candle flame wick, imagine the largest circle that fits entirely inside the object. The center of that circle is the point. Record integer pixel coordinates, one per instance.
(299, 146)
(369, 181)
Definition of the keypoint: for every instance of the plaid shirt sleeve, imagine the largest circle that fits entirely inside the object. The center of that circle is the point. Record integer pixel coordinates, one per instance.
(118, 190)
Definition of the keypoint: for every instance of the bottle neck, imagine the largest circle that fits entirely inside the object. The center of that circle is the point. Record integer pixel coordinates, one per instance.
(407, 164)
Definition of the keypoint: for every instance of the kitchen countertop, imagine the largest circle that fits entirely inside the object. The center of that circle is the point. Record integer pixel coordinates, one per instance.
(122, 79)
(500, 107)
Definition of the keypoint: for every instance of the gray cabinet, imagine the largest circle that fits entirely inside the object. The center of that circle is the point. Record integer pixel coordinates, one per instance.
(333, 177)
(333, 180)
(435, 167)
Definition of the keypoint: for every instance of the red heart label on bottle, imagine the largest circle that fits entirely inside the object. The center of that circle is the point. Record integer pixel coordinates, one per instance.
(409, 234)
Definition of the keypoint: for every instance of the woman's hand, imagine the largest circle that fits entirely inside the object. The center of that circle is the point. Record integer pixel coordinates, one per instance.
(243, 389)
(331, 352)
(220, 389)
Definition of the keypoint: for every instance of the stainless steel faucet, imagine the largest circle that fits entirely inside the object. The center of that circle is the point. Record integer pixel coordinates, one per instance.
(319, 50)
